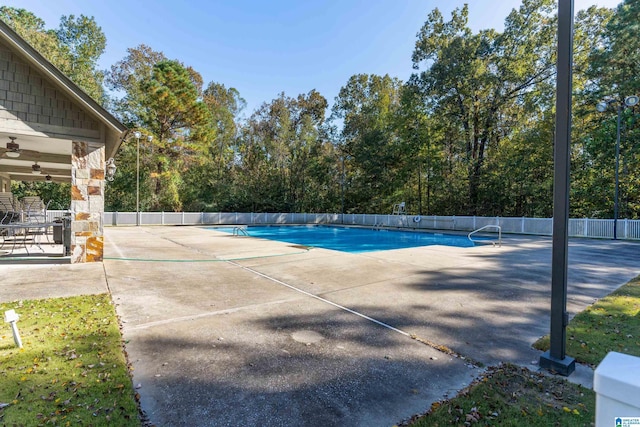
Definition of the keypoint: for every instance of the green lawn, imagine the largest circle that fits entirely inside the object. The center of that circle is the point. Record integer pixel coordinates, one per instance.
(71, 369)
(611, 324)
(509, 395)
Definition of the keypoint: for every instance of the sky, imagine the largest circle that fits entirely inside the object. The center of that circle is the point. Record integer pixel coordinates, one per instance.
(265, 47)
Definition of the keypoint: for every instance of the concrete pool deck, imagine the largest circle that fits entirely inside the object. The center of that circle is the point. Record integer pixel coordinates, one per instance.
(226, 330)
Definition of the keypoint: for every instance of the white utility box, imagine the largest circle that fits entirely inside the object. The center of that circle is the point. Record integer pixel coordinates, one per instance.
(616, 382)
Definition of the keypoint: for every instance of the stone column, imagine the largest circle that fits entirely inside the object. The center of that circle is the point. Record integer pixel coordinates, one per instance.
(87, 202)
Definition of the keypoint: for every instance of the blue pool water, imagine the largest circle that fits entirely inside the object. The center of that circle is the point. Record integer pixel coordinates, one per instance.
(354, 240)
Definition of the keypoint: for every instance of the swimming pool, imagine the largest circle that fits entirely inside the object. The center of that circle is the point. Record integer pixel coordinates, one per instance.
(353, 240)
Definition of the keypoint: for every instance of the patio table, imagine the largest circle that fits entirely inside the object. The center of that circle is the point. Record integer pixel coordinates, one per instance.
(19, 232)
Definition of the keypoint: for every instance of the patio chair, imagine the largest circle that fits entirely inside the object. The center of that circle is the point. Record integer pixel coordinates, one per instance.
(35, 214)
(8, 215)
(8, 211)
(34, 209)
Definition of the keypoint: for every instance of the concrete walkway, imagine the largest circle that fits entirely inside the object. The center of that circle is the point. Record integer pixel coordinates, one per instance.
(236, 331)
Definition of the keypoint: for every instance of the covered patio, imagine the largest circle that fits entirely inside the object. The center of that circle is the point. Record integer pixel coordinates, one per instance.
(50, 130)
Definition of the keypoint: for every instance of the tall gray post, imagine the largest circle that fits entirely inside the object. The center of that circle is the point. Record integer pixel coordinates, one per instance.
(555, 359)
(617, 189)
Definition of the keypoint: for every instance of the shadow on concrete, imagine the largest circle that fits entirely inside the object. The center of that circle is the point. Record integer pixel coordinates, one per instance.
(495, 314)
(335, 381)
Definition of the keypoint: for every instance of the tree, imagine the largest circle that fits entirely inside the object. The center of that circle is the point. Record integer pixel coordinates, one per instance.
(209, 181)
(125, 81)
(83, 42)
(225, 105)
(478, 83)
(614, 67)
(163, 99)
(366, 106)
(471, 132)
(126, 77)
(615, 63)
(281, 151)
(422, 162)
(180, 122)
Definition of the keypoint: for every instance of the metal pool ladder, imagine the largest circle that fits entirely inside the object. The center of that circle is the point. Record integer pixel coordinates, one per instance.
(484, 228)
(240, 231)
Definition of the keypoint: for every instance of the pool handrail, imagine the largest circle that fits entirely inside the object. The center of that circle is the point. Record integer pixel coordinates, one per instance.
(240, 230)
(483, 228)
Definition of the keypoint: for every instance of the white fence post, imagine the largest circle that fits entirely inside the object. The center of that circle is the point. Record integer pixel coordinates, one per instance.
(625, 235)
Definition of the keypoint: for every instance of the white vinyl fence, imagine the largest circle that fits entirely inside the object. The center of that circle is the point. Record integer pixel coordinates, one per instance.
(578, 227)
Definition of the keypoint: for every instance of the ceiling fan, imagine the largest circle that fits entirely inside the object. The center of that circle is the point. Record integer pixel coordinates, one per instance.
(36, 169)
(13, 150)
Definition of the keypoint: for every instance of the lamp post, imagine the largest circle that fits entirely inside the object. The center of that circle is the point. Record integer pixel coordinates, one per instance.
(556, 359)
(342, 191)
(137, 135)
(602, 106)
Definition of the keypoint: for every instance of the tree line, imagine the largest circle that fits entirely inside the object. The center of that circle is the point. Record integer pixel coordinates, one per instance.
(470, 132)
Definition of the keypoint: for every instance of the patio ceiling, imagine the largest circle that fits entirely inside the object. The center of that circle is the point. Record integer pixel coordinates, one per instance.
(51, 154)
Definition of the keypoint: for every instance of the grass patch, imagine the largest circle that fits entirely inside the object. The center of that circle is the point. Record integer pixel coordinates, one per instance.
(509, 395)
(71, 369)
(611, 324)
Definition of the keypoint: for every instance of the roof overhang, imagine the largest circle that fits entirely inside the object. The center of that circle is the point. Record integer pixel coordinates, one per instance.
(54, 147)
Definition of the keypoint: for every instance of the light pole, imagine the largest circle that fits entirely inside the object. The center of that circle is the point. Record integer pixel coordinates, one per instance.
(137, 135)
(602, 106)
(556, 359)
(342, 191)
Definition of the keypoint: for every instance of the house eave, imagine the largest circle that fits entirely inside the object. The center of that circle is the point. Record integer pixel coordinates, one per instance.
(115, 130)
